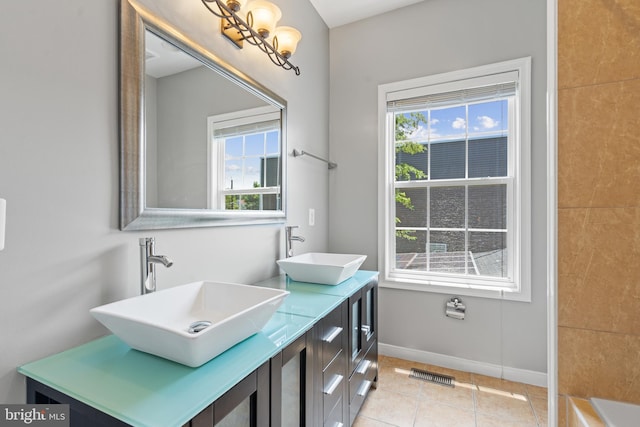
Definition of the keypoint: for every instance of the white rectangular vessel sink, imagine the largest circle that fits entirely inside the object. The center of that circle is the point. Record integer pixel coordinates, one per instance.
(193, 323)
(322, 268)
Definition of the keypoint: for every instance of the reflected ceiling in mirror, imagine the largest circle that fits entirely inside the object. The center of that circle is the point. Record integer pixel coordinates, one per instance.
(202, 144)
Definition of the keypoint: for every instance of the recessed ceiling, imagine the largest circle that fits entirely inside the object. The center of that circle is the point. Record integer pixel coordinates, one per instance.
(340, 12)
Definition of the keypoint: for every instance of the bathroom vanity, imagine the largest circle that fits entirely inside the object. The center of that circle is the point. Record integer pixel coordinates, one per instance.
(311, 365)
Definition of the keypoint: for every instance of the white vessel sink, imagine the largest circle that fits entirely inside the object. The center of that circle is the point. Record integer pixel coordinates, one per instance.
(322, 268)
(159, 323)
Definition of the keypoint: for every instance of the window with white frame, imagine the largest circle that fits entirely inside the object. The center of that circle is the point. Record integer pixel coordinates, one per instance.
(455, 182)
(244, 160)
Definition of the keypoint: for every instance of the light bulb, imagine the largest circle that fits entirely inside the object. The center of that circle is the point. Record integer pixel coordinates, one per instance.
(265, 15)
(287, 40)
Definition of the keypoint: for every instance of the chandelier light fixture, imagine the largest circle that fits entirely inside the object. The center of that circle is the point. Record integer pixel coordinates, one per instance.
(257, 26)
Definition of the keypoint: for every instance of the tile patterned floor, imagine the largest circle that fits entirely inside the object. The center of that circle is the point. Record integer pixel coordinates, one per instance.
(475, 401)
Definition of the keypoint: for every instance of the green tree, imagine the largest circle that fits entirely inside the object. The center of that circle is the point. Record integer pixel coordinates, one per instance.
(244, 202)
(405, 125)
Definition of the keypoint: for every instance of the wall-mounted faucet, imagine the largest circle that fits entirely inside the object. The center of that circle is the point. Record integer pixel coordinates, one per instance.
(291, 238)
(148, 259)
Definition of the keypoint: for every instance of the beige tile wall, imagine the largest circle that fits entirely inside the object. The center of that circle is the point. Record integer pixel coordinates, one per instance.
(599, 198)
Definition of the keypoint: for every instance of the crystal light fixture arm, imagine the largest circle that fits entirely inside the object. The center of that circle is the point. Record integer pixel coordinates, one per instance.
(238, 30)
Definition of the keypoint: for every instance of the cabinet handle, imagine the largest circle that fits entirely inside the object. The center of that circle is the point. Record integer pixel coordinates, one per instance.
(364, 388)
(364, 367)
(335, 331)
(366, 329)
(334, 385)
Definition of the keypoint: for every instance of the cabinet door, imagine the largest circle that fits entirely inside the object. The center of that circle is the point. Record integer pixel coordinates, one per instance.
(369, 314)
(355, 330)
(246, 404)
(291, 383)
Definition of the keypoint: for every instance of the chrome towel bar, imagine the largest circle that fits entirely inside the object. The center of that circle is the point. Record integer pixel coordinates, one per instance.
(297, 153)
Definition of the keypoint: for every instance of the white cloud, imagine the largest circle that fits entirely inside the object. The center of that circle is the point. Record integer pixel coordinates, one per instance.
(459, 123)
(487, 122)
(421, 133)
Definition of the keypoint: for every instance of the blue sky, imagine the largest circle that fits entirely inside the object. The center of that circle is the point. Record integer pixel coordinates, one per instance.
(243, 155)
(486, 118)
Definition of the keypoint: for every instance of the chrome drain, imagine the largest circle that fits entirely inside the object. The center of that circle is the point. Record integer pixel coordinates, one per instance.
(432, 377)
(198, 326)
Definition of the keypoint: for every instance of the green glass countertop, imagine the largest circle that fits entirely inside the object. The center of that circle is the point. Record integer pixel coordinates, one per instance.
(144, 390)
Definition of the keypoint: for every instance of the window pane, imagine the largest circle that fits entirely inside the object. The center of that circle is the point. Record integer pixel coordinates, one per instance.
(411, 250)
(489, 118)
(447, 253)
(448, 123)
(411, 126)
(270, 202)
(270, 173)
(411, 207)
(447, 207)
(489, 253)
(231, 202)
(273, 142)
(233, 147)
(488, 157)
(488, 206)
(448, 160)
(252, 169)
(232, 173)
(250, 202)
(411, 161)
(254, 145)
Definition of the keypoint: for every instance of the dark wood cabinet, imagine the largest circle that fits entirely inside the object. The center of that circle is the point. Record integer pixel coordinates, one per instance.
(363, 346)
(332, 333)
(292, 384)
(245, 405)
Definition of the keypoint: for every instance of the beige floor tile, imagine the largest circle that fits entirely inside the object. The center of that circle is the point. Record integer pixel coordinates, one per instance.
(433, 414)
(540, 409)
(389, 407)
(362, 421)
(460, 396)
(499, 384)
(475, 401)
(535, 391)
(505, 406)
(396, 379)
(488, 420)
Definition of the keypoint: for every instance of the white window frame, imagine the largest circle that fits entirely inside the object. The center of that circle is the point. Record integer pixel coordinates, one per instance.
(216, 153)
(518, 288)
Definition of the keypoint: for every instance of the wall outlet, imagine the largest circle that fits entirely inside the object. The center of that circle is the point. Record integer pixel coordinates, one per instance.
(312, 216)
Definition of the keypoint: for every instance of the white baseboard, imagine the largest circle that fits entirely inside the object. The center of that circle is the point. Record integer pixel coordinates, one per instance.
(452, 362)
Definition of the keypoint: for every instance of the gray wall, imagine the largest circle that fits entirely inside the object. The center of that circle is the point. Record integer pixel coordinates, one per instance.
(427, 38)
(64, 252)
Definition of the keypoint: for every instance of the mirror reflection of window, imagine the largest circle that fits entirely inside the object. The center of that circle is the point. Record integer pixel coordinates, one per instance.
(169, 86)
(244, 160)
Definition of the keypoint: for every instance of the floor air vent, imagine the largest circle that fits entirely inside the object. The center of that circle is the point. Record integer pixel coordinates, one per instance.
(432, 377)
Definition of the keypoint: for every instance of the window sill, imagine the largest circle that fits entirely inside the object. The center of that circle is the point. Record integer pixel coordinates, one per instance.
(458, 290)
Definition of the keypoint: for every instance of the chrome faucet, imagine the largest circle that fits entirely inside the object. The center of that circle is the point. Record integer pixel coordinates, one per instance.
(291, 238)
(148, 259)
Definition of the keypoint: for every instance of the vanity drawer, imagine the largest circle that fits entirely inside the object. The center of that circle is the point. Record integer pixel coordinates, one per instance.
(332, 335)
(362, 380)
(333, 386)
(335, 418)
